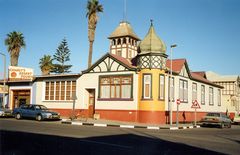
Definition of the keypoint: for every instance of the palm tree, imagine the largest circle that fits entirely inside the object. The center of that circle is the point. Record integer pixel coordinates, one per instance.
(14, 41)
(46, 64)
(93, 8)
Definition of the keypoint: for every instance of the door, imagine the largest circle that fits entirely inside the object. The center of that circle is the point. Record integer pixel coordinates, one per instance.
(20, 97)
(91, 102)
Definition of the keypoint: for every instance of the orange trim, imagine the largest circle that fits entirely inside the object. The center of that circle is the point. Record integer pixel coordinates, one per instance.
(120, 115)
(150, 117)
(68, 112)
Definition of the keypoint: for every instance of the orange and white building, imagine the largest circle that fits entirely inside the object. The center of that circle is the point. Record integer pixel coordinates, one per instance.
(131, 82)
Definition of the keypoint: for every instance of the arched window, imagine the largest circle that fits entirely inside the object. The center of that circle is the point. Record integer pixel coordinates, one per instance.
(119, 41)
(114, 42)
(124, 40)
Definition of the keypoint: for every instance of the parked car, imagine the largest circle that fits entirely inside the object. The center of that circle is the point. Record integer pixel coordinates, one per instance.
(216, 119)
(236, 119)
(5, 112)
(38, 112)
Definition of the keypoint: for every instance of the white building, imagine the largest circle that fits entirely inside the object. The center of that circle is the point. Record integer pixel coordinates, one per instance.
(230, 92)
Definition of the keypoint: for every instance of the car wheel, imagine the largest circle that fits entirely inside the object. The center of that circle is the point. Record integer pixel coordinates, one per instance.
(18, 116)
(39, 117)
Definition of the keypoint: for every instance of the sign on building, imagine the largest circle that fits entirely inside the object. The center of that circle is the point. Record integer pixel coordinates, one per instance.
(20, 73)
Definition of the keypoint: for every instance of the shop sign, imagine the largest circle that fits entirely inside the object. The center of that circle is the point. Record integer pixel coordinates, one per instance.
(20, 73)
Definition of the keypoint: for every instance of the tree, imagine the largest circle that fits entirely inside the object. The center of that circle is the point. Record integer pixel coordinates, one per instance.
(14, 42)
(93, 8)
(46, 64)
(62, 56)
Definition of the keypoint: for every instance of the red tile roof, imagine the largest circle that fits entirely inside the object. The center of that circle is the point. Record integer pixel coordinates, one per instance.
(177, 64)
(123, 60)
(202, 74)
(198, 77)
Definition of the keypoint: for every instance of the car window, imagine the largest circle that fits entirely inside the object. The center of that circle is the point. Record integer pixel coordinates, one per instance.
(214, 114)
(37, 107)
(31, 107)
(24, 106)
(43, 107)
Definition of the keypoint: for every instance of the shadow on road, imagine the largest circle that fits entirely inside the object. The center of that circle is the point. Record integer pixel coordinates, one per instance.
(23, 143)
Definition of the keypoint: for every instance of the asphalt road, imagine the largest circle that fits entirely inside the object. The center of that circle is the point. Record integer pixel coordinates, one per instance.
(22, 137)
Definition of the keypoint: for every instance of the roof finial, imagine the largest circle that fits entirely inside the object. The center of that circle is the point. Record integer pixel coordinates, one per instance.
(125, 11)
(151, 20)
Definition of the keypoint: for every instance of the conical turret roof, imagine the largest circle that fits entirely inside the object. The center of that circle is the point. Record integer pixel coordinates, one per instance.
(152, 43)
(124, 29)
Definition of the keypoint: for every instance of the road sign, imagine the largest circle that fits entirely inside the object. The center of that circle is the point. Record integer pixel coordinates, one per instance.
(178, 101)
(195, 105)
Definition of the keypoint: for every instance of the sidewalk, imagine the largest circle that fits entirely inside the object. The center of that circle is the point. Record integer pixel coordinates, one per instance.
(111, 123)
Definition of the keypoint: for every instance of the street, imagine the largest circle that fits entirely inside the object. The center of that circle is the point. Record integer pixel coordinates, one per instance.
(51, 137)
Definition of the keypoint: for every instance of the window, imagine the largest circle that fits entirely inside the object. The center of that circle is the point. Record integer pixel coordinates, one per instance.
(115, 87)
(219, 97)
(147, 86)
(161, 87)
(194, 91)
(51, 90)
(47, 91)
(211, 96)
(114, 42)
(119, 53)
(203, 95)
(171, 97)
(183, 90)
(59, 90)
(119, 41)
(124, 40)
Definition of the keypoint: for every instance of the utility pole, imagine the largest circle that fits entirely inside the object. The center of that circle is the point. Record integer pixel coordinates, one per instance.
(171, 83)
(4, 78)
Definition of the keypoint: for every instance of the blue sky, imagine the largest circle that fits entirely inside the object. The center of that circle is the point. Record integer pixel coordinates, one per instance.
(207, 32)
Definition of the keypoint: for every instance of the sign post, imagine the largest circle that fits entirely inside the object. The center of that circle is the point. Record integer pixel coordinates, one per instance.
(195, 106)
(74, 97)
(178, 103)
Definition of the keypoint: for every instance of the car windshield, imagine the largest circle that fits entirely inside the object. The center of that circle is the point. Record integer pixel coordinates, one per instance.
(214, 114)
(42, 107)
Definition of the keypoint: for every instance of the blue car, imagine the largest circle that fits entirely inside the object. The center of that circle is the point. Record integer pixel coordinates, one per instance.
(38, 112)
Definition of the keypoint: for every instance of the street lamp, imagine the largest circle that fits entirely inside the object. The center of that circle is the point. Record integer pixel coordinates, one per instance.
(170, 94)
(4, 78)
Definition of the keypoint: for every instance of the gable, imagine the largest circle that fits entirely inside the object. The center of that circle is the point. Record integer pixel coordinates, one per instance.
(109, 63)
(184, 72)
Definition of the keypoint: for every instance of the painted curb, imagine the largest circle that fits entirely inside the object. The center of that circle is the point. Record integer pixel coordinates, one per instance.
(69, 122)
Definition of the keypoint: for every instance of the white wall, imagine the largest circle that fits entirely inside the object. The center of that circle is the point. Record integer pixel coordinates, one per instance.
(91, 81)
(187, 106)
(40, 95)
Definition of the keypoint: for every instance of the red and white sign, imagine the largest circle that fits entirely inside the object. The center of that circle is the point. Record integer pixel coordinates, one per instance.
(178, 101)
(20, 73)
(195, 105)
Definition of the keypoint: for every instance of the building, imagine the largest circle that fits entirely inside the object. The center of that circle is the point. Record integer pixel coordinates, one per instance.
(131, 82)
(3, 92)
(230, 92)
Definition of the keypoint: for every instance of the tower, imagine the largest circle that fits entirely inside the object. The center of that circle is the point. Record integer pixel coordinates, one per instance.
(123, 41)
(152, 51)
(151, 61)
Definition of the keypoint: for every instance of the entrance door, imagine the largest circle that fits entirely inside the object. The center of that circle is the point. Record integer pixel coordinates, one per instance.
(20, 97)
(91, 103)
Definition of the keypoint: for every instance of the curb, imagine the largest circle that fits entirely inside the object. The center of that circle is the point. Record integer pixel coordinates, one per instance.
(127, 126)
